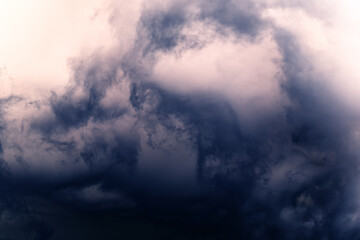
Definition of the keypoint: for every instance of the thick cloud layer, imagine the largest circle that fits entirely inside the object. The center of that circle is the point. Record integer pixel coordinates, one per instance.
(206, 120)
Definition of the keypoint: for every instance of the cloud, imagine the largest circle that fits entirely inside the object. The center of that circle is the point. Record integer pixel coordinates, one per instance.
(211, 119)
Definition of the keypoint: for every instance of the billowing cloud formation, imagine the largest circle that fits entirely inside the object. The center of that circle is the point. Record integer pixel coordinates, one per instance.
(199, 120)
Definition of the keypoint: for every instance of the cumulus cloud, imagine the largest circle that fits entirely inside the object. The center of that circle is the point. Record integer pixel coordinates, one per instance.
(207, 119)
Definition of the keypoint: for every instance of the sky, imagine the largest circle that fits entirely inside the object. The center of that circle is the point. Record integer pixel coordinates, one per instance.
(179, 119)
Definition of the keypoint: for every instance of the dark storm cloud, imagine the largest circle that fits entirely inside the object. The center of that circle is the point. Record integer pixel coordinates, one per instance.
(161, 29)
(71, 111)
(14, 212)
(241, 16)
(313, 136)
(315, 130)
(291, 178)
(321, 129)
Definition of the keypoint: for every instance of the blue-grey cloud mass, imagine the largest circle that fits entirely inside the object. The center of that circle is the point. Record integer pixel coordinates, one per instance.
(211, 121)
